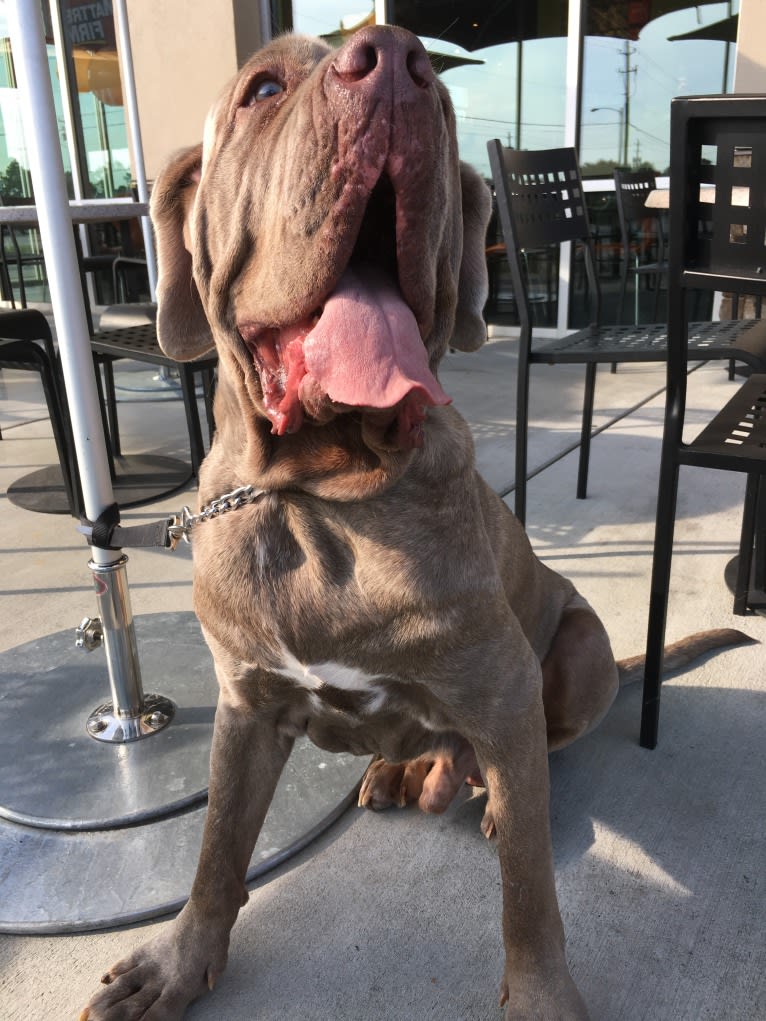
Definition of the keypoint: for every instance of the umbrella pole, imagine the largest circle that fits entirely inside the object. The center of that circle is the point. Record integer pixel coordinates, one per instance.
(109, 572)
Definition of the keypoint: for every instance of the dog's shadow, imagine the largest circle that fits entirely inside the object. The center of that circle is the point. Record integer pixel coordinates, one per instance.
(395, 915)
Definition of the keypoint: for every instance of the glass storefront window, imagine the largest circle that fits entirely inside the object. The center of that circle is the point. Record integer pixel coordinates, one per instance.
(98, 118)
(505, 68)
(91, 49)
(505, 65)
(634, 63)
(509, 78)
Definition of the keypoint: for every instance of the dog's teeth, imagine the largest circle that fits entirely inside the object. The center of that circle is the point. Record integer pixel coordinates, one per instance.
(210, 978)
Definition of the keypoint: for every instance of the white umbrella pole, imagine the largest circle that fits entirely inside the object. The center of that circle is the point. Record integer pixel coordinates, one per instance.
(134, 128)
(36, 95)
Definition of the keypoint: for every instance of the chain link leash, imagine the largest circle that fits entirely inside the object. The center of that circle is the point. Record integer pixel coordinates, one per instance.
(181, 527)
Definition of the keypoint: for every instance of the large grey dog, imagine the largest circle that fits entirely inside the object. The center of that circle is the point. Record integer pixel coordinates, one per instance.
(375, 594)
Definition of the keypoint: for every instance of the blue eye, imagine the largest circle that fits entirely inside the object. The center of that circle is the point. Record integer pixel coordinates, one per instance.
(266, 89)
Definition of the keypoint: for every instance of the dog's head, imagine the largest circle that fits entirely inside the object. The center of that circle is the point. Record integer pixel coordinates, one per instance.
(325, 235)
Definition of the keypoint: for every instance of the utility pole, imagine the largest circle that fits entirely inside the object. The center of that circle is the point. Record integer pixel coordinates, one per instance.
(627, 71)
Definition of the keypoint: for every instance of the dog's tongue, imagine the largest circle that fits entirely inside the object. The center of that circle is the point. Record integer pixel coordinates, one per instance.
(366, 349)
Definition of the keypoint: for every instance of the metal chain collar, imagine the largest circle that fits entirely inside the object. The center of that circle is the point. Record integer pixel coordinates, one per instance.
(182, 524)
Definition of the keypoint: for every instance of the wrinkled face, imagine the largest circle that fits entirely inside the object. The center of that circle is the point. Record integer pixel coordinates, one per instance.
(326, 229)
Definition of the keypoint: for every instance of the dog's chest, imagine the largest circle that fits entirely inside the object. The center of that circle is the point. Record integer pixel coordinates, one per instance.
(334, 686)
(345, 709)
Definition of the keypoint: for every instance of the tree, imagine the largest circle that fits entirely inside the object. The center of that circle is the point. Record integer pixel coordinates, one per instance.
(12, 182)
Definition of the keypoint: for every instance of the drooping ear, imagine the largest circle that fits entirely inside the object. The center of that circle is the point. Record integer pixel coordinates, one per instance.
(182, 328)
(473, 286)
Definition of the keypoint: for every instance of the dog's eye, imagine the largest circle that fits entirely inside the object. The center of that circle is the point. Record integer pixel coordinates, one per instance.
(263, 89)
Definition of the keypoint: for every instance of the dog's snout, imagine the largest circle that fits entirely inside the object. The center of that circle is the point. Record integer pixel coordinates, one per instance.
(382, 53)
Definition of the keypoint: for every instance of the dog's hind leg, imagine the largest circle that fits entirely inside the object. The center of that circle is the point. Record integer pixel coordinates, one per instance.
(163, 976)
(579, 684)
(580, 677)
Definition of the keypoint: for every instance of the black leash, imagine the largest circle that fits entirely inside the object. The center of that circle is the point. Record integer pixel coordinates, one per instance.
(106, 532)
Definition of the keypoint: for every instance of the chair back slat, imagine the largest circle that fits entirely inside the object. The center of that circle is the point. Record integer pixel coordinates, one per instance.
(632, 188)
(547, 196)
(718, 193)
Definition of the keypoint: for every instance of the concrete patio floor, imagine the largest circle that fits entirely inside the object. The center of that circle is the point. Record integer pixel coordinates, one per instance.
(396, 917)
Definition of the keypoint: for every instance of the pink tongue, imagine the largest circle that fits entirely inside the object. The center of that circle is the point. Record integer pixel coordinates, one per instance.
(366, 349)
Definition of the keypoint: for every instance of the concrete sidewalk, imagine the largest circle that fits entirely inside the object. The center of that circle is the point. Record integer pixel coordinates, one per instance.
(396, 917)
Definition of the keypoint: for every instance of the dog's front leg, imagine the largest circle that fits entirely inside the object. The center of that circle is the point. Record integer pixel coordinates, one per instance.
(159, 980)
(537, 985)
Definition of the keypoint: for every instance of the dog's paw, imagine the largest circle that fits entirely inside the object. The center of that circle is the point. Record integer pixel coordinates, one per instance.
(431, 780)
(387, 784)
(155, 983)
(542, 997)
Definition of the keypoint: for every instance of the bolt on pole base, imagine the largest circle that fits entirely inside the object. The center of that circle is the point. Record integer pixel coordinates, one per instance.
(105, 724)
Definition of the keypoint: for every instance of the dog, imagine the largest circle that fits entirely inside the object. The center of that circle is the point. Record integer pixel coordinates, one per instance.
(371, 592)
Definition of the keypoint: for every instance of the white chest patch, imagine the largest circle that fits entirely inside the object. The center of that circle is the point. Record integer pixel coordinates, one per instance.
(316, 676)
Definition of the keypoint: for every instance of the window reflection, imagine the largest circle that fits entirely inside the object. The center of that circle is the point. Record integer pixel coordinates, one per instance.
(514, 87)
(505, 65)
(331, 18)
(637, 55)
(91, 47)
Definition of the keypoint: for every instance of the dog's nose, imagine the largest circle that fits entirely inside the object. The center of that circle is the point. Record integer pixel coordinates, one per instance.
(383, 54)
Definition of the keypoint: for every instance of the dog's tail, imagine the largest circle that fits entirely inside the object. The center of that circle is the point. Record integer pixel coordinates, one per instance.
(680, 654)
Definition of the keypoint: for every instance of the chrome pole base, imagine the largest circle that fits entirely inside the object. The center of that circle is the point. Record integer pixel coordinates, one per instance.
(104, 724)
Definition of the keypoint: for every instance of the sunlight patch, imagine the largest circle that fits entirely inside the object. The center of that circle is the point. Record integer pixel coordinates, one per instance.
(620, 851)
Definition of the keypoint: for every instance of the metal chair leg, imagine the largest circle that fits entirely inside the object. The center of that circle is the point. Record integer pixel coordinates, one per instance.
(587, 425)
(208, 384)
(658, 599)
(188, 390)
(111, 407)
(623, 290)
(746, 543)
(522, 438)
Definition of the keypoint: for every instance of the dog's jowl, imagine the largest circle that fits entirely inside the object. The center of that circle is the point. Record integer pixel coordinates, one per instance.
(376, 595)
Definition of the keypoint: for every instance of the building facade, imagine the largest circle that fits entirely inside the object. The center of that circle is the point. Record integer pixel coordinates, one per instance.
(596, 74)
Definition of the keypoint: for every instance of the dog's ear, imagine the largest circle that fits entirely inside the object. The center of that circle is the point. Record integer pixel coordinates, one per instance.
(182, 328)
(473, 287)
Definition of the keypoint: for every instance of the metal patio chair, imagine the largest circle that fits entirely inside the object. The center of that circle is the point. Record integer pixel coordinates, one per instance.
(717, 243)
(642, 235)
(540, 203)
(26, 343)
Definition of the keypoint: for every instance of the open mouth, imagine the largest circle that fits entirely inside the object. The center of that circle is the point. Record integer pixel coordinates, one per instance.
(362, 348)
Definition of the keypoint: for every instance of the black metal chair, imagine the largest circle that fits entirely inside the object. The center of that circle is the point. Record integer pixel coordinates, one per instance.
(540, 203)
(642, 235)
(129, 331)
(717, 243)
(19, 248)
(26, 343)
(139, 342)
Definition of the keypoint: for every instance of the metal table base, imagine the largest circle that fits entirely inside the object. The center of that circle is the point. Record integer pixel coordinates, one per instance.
(94, 835)
(138, 479)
